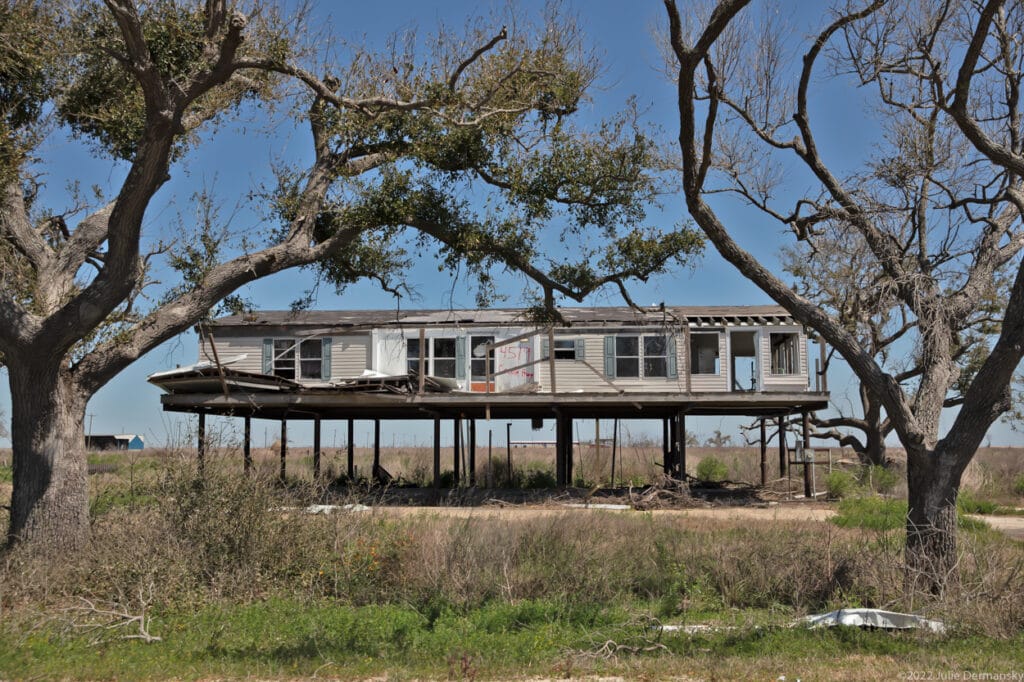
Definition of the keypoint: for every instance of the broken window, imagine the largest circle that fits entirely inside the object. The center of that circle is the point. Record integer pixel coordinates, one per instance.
(565, 349)
(704, 353)
(306, 364)
(311, 359)
(284, 358)
(785, 353)
(479, 356)
(655, 356)
(444, 358)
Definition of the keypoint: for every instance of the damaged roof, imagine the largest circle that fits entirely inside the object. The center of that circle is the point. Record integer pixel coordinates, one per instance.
(695, 316)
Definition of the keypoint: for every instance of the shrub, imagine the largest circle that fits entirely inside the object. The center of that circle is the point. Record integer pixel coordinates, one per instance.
(875, 513)
(879, 479)
(967, 503)
(712, 470)
(1018, 485)
(539, 478)
(840, 484)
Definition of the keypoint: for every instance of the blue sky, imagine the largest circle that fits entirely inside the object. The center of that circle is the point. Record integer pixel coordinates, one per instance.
(233, 163)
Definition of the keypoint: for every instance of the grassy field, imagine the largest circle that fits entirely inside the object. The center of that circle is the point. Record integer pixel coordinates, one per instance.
(223, 579)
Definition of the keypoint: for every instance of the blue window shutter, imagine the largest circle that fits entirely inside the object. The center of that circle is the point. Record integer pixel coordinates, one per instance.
(580, 345)
(460, 357)
(673, 367)
(545, 349)
(268, 356)
(609, 357)
(325, 358)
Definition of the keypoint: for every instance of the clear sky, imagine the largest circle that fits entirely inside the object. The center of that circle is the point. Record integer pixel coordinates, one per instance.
(233, 162)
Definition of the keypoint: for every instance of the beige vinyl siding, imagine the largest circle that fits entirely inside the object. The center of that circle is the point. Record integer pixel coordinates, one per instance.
(231, 346)
(575, 376)
(350, 355)
(710, 383)
(783, 382)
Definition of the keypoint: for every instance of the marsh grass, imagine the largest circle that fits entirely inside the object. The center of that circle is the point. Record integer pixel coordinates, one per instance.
(235, 580)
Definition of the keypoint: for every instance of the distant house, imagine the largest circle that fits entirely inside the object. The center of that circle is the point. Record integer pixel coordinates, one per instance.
(123, 441)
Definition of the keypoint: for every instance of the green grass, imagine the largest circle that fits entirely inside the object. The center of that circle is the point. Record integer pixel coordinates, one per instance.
(884, 514)
(6, 473)
(290, 638)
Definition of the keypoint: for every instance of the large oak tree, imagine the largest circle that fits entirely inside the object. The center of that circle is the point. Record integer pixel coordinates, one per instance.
(941, 78)
(461, 146)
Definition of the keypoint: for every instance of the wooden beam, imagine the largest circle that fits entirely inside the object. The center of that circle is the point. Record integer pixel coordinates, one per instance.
(423, 359)
(284, 448)
(560, 438)
(437, 452)
(681, 464)
(376, 448)
(551, 359)
(351, 451)
(472, 453)
(569, 452)
(247, 447)
(764, 453)
(783, 463)
(316, 448)
(685, 365)
(456, 450)
(201, 444)
(665, 447)
(808, 492)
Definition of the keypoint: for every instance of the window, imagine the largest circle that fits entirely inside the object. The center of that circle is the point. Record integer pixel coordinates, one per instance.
(785, 353)
(284, 358)
(627, 356)
(307, 364)
(412, 355)
(311, 359)
(479, 356)
(640, 357)
(655, 356)
(565, 349)
(444, 358)
(704, 353)
(438, 356)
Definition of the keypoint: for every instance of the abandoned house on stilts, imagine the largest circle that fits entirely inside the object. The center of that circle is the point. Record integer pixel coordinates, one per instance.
(665, 363)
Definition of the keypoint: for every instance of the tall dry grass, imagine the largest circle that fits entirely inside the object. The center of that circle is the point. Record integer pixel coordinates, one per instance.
(226, 537)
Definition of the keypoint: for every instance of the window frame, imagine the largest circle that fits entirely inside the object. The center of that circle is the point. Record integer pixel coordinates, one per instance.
(430, 357)
(793, 359)
(642, 356)
(291, 354)
(567, 352)
(471, 343)
(694, 357)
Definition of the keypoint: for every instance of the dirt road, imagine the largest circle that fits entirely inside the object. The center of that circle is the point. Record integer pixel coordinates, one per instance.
(1012, 526)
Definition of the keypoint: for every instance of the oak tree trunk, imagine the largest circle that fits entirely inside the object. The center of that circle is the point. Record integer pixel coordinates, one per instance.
(874, 448)
(50, 500)
(931, 550)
